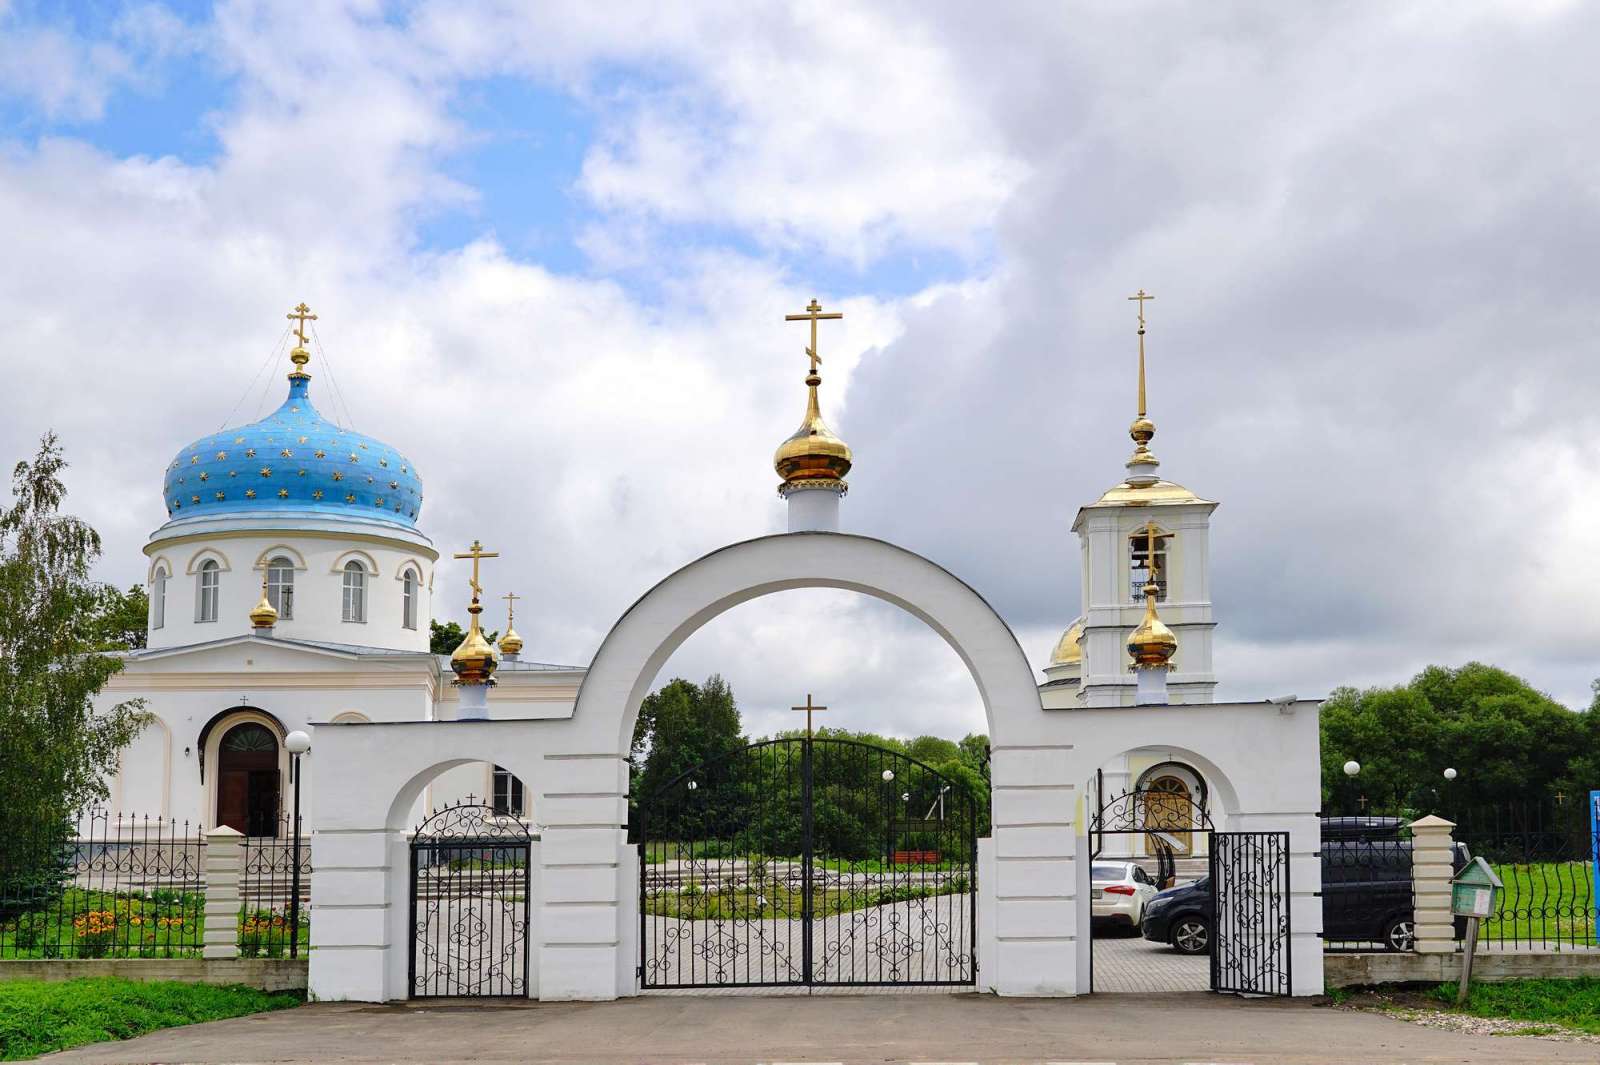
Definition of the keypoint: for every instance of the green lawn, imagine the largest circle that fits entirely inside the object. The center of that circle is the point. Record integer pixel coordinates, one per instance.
(1573, 1003)
(39, 1018)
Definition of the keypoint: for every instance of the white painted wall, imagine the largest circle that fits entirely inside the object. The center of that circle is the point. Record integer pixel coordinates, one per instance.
(319, 551)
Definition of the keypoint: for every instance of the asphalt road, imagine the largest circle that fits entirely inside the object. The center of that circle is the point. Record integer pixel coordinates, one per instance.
(1142, 1029)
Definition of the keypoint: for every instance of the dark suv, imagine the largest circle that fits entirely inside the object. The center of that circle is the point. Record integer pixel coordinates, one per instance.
(1366, 896)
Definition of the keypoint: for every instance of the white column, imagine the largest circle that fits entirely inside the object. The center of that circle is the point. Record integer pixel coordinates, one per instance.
(1431, 870)
(473, 704)
(222, 864)
(813, 509)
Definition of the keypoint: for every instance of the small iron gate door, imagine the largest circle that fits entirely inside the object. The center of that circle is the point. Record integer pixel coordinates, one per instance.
(469, 904)
(807, 862)
(1250, 926)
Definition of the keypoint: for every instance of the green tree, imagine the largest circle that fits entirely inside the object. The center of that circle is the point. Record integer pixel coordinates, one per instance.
(445, 636)
(119, 621)
(680, 726)
(1506, 740)
(57, 748)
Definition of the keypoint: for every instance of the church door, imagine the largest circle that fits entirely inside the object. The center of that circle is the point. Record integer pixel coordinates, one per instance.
(1169, 807)
(247, 780)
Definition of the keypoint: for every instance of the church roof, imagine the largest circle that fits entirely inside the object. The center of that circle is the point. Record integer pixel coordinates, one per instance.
(351, 649)
(293, 462)
(1160, 494)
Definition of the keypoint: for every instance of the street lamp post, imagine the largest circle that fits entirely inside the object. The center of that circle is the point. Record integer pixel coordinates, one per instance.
(296, 743)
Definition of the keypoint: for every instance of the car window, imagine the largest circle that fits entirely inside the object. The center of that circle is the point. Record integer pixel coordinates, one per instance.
(1139, 876)
(1107, 871)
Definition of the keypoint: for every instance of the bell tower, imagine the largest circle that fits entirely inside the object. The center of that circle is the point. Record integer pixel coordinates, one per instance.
(1141, 533)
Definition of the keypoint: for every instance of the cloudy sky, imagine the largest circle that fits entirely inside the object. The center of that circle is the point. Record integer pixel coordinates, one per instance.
(552, 245)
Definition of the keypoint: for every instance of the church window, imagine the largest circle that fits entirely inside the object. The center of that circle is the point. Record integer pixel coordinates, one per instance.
(408, 599)
(280, 587)
(355, 592)
(158, 598)
(1139, 565)
(210, 589)
(508, 794)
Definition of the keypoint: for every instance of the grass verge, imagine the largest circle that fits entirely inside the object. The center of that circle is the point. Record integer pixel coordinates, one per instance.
(1570, 1003)
(37, 1017)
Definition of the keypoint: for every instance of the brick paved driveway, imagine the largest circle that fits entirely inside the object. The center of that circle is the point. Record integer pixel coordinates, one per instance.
(1124, 962)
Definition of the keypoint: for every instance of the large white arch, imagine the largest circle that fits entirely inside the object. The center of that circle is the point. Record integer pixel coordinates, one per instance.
(647, 634)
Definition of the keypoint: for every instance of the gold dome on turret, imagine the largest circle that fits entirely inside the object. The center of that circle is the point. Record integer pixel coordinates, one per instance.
(1069, 649)
(263, 615)
(812, 457)
(1152, 644)
(475, 660)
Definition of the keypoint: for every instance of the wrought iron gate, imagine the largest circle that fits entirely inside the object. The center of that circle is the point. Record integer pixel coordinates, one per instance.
(469, 904)
(1250, 924)
(807, 862)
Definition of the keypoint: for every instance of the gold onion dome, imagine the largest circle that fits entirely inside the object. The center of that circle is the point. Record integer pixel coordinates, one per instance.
(1152, 643)
(262, 615)
(813, 457)
(474, 661)
(1068, 652)
(511, 643)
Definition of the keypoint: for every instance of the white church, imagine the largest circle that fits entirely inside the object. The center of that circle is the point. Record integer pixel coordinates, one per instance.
(291, 589)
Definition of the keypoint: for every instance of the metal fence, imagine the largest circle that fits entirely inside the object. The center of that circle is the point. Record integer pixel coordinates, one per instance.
(1367, 898)
(1543, 853)
(101, 885)
(275, 893)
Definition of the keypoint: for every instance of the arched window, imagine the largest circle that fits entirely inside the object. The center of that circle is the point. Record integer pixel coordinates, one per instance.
(355, 592)
(280, 587)
(158, 598)
(210, 590)
(1139, 564)
(408, 599)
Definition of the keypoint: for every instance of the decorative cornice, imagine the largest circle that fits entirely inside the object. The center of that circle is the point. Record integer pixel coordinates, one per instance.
(832, 483)
(399, 543)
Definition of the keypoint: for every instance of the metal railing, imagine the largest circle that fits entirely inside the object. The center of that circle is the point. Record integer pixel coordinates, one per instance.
(1543, 852)
(275, 893)
(101, 885)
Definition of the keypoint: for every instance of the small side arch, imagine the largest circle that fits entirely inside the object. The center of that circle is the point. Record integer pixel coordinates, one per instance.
(160, 562)
(411, 563)
(355, 555)
(350, 717)
(295, 558)
(202, 555)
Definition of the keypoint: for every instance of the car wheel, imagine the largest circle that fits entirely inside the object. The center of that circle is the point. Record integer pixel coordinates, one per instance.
(1399, 934)
(1191, 935)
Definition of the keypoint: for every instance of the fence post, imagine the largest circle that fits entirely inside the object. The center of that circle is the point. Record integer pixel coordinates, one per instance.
(223, 857)
(1432, 866)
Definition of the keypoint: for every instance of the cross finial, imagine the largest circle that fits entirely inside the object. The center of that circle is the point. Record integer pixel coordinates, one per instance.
(813, 315)
(1150, 538)
(476, 552)
(511, 606)
(300, 316)
(809, 708)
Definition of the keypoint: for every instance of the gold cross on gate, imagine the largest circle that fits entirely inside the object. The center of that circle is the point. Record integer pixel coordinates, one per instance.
(813, 315)
(1561, 798)
(476, 552)
(511, 606)
(1363, 801)
(808, 708)
(300, 316)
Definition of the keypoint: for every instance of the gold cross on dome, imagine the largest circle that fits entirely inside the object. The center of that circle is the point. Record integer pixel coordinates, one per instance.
(300, 316)
(809, 708)
(813, 315)
(1141, 296)
(511, 606)
(476, 552)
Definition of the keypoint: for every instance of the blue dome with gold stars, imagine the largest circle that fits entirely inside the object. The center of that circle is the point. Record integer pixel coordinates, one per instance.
(293, 461)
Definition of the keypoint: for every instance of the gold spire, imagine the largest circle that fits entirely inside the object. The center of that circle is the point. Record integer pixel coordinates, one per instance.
(262, 615)
(475, 660)
(1152, 643)
(511, 643)
(1142, 466)
(300, 356)
(813, 457)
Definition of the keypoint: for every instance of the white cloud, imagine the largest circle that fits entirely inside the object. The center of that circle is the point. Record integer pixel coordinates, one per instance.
(1368, 234)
